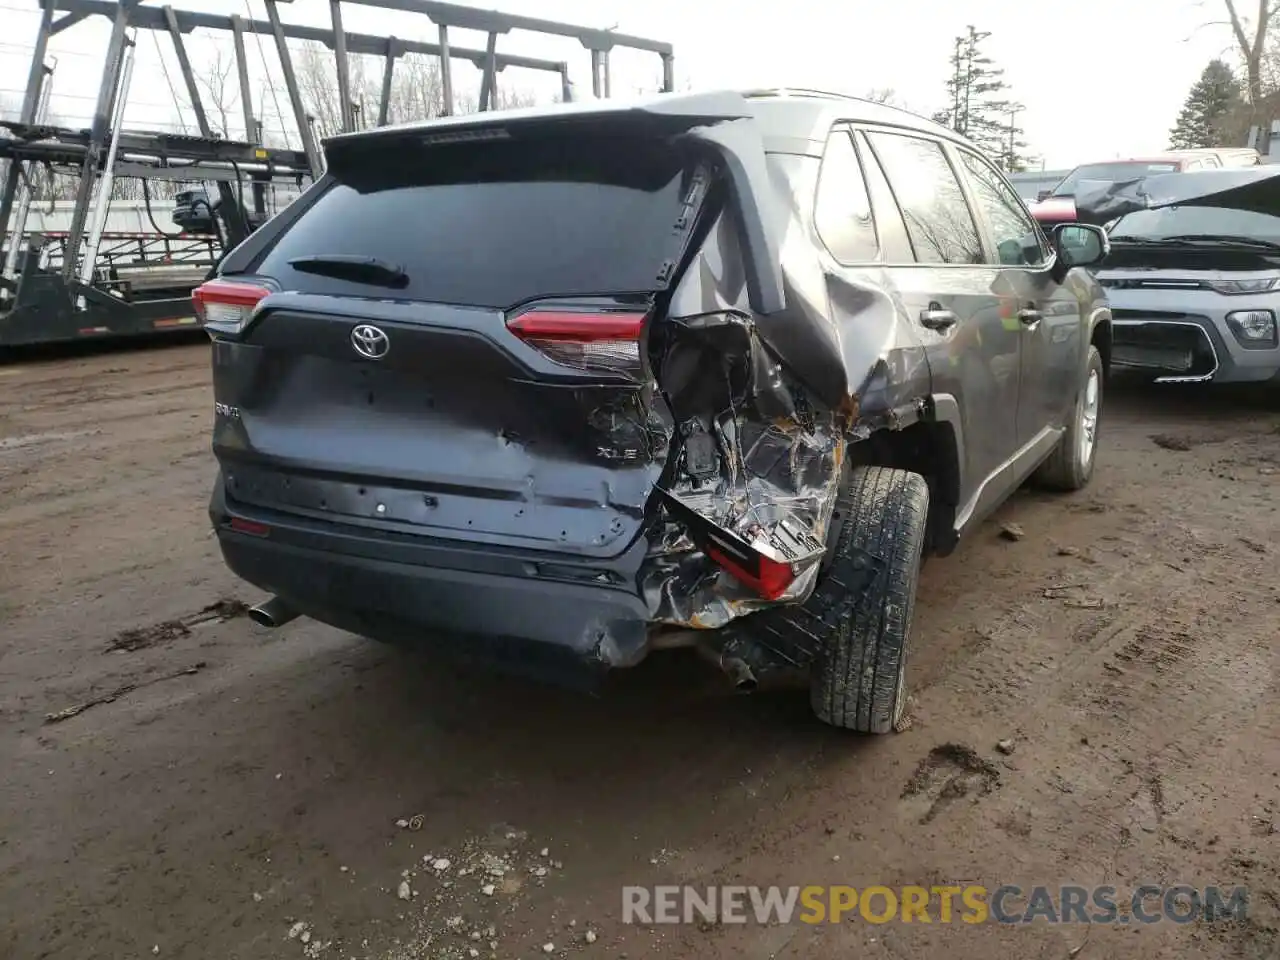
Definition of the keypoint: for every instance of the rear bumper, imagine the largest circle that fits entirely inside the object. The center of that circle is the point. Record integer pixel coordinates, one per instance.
(468, 604)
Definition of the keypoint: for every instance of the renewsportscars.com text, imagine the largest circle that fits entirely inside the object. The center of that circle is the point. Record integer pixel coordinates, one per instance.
(1148, 903)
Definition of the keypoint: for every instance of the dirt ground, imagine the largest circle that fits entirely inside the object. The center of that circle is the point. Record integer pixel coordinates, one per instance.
(222, 784)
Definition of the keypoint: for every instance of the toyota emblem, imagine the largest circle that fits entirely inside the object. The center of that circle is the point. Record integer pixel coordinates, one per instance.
(370, 342)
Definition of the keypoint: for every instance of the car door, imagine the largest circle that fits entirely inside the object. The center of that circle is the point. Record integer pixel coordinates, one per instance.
(1033, 306)
(952, 292)
(860, 227)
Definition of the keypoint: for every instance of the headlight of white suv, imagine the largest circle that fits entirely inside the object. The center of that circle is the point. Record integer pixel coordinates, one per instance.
(1232, 287)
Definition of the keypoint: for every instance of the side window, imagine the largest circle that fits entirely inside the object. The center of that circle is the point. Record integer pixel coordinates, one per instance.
(893, 232)
(933, 205)
(1016, 237)
(842, 212)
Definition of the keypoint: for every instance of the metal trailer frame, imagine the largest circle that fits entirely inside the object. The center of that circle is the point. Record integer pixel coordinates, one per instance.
(43, 305)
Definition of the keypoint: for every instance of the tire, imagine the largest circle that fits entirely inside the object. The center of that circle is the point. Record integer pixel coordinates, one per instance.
(1069, 467)
(859, 677)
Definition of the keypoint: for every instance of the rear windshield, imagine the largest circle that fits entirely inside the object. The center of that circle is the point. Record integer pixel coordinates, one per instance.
(497, 223)
(1111, 172)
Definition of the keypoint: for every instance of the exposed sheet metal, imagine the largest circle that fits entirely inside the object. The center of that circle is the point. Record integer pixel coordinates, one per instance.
(757, 464)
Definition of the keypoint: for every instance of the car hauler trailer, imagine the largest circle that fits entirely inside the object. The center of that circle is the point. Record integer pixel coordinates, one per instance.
(87, 281)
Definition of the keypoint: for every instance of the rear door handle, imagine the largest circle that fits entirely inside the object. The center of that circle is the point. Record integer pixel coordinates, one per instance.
(935, 318)
(1030, 318)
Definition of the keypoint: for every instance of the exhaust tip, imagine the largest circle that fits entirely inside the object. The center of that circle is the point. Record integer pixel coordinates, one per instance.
(272, 613)
(259, 617)
(744, 679)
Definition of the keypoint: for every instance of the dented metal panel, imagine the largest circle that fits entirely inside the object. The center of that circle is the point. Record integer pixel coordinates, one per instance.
(765, 406)
(721, 463)
(756, 462)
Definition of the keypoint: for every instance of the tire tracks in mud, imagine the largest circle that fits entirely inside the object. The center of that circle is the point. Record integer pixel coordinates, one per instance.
(1117, 708)
(138, 639)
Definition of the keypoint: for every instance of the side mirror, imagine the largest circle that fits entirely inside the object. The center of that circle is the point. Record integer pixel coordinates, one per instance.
(1043, 195)
(1080, 244)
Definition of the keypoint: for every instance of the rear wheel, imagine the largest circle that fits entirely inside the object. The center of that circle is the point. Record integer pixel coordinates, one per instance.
(1070, 466)
(859, 678)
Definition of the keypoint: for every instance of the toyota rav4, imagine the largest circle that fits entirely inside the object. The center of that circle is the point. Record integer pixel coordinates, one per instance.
(555, 388)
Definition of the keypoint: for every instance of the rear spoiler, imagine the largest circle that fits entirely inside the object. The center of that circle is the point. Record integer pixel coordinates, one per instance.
(722, 122)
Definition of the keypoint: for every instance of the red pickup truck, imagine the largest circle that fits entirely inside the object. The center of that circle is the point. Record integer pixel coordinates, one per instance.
(1058, 205)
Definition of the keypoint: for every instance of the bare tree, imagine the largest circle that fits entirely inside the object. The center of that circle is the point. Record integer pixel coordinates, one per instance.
(417, 92)
(1251, 39)
(318, 82)
(222, 91)
(219, 95)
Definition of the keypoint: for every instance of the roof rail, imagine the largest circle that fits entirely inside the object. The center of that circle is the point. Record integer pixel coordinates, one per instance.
(799, 92)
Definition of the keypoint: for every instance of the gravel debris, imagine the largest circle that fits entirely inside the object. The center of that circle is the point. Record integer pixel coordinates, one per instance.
(1011, 531)
(404, 891)
(590, 936)
(1170, 442)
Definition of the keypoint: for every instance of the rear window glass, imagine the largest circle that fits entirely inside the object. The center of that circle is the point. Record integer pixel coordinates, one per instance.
(498, 223)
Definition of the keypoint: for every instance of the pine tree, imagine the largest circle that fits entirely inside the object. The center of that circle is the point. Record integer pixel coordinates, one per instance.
(979, 106)
(1211, 99)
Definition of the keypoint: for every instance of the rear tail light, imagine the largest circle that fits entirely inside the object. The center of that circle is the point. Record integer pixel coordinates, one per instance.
(768, 577)
(773, 561)
(589, 339)
(766, 561)
(226, 305)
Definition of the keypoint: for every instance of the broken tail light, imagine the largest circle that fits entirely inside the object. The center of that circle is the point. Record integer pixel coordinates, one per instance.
(225, 306)
(588, 339)
(768, 563)
(768, 577)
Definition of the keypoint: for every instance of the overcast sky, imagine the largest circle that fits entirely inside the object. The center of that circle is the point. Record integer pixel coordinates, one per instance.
(1099, 78)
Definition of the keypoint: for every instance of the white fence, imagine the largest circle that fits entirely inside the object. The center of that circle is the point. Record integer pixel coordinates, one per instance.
(125, 216)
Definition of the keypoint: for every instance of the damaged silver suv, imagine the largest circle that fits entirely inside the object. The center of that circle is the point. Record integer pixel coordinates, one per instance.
(555, 388)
